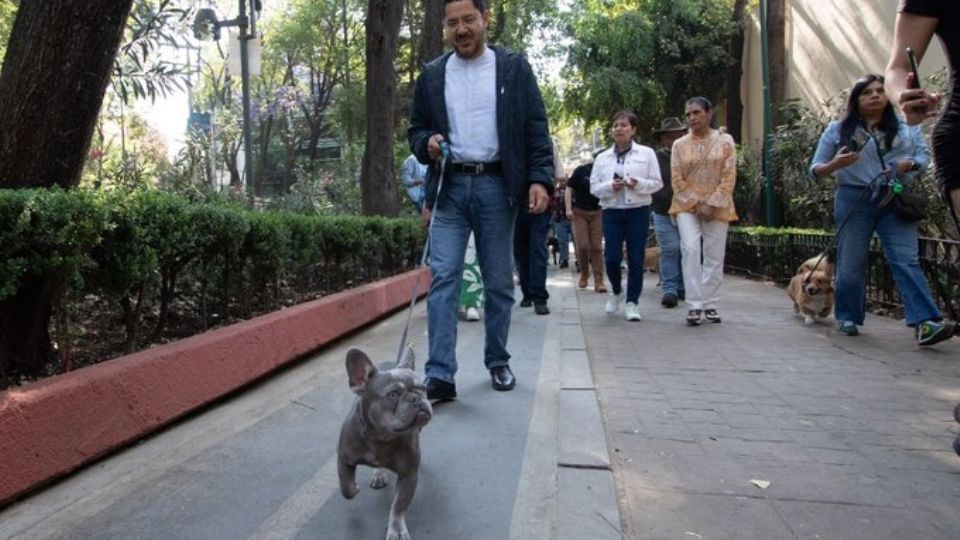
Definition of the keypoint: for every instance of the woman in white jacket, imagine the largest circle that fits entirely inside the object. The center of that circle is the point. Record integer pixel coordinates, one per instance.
(624, 176)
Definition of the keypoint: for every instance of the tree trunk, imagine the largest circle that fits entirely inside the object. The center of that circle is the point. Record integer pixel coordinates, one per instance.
(431, 34)
(54, 76)
(777, 54)
(378, 184)
(735, 74)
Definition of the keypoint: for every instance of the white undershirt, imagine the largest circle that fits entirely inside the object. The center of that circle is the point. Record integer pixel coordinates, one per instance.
(470, 91)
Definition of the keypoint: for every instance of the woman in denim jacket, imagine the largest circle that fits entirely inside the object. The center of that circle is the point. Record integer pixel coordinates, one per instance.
(624, 176)
(869, 140)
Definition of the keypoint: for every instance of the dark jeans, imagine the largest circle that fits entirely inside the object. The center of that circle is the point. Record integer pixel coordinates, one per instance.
(530, 252)
(631, 226)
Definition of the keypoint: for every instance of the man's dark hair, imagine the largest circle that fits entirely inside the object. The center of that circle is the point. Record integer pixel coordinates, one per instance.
(476, 3)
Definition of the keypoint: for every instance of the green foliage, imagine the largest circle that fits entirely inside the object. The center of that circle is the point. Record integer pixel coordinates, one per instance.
(8, 11)
(140, 70)
(649, 56)
(148, 252)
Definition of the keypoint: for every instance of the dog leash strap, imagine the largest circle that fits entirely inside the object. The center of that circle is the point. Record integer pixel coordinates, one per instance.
(426, 250)
(843, 223)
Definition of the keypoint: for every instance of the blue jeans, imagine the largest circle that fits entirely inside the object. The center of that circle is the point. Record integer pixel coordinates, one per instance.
(479, 204)
(530, 250)
(899, 241)
(668, 236)
(562, 231)
(630, 225)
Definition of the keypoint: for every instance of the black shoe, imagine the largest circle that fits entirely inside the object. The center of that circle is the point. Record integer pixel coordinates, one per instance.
(669, 300)
(502, 378)
(526, 302)
(564, 264)
(438, 390)
(541, 308)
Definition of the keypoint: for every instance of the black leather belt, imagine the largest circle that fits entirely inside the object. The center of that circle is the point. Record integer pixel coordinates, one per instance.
(476, 168)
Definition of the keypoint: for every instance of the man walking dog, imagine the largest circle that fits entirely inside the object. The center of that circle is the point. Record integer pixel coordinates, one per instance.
(484, 103)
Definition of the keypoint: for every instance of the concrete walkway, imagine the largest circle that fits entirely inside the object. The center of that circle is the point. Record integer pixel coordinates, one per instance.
(642, 431)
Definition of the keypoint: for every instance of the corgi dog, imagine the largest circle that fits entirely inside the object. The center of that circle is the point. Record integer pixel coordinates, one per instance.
(812, 289)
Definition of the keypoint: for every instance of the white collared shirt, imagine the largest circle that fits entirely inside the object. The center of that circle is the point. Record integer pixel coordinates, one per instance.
(470, 92)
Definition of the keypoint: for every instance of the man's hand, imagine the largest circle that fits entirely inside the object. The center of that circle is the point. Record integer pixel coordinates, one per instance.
(433, 146)
(425, 217)
(617, 184)
(539, 199)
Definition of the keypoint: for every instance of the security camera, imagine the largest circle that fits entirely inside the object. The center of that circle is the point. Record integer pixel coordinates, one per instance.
(206, 24)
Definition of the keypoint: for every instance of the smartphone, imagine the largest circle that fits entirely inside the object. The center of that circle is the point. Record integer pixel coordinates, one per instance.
(857, 141)
(912, 58)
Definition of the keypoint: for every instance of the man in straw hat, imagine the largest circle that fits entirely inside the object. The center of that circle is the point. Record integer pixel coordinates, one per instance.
(665, 227)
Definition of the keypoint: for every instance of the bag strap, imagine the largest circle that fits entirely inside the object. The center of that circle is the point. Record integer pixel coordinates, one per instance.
(703, 158)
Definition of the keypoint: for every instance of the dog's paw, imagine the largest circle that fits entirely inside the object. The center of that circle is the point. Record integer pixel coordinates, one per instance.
(350, 490)
(808, 320)
(379, 479)
(398, 534)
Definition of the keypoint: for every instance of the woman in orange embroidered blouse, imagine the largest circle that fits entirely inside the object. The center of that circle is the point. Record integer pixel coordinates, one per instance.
(703, 172)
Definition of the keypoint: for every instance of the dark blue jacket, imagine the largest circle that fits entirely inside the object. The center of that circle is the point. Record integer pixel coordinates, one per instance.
(526, 150)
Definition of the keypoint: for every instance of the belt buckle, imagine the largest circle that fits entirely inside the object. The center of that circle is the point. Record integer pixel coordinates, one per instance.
(474, 168)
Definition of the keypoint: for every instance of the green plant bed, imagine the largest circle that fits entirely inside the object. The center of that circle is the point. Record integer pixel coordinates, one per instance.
(148, 267)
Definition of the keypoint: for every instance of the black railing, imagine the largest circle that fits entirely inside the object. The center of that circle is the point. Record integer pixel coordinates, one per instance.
(777, 256)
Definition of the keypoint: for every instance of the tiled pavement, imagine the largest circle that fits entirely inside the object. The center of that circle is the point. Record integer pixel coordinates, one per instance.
(853, 434)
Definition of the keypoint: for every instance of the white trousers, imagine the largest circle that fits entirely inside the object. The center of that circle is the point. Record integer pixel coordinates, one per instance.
(701, 281)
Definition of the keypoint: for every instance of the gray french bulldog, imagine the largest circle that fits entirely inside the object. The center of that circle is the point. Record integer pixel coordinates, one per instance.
(383, 431)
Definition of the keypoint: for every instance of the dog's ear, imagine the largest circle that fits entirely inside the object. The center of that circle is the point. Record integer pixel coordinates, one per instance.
(359, 370)
(407, 361)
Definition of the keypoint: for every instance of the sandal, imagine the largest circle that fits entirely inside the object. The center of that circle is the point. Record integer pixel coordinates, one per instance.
(693, 317)
(711, 315)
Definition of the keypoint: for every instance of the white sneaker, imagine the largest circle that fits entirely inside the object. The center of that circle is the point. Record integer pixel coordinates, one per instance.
(613, 302)
(632, 311)
(472, 314)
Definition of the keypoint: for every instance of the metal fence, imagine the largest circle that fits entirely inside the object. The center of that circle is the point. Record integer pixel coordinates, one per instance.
(777, 256)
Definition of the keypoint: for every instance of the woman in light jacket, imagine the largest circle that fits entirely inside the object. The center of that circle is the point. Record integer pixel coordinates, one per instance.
(869, 140)
(623, 178)
(703, 171)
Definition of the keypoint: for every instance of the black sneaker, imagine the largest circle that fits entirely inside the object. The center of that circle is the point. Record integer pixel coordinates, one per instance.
(541, 308)
(932, 332)
(669, 300)
(439, 390)
(564, 264)
(526, 302)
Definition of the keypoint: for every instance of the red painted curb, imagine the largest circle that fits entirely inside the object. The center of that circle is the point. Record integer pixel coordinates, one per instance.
(54, 426)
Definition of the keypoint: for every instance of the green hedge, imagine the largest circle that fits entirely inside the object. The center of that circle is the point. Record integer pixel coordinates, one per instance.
(164, 264)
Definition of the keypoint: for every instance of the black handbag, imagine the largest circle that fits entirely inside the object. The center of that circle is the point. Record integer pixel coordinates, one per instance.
(910, 205)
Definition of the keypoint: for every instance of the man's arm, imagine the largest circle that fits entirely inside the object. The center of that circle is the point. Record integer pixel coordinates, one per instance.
(914, 31)
(539, 146)
(421, 123)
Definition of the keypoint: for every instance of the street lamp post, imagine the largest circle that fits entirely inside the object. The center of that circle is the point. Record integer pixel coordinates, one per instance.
(767, 115)
(205, 23)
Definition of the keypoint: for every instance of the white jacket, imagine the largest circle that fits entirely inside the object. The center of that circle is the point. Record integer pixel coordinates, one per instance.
(640, 163)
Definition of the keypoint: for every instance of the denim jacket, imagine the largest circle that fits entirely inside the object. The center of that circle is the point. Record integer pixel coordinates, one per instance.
(908, 144)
